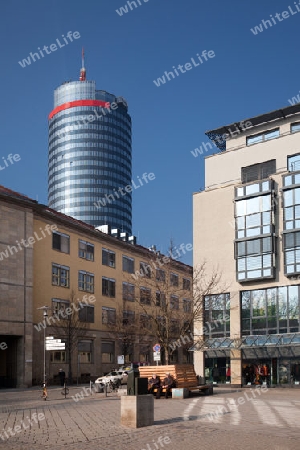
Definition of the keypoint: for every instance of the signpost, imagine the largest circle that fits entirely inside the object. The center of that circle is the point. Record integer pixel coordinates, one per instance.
(45, 314)
(156, 356)
(156, 353)
(121, 359)
(54, 344)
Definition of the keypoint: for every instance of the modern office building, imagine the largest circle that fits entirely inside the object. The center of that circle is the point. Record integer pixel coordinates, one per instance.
(100, 291)
(90, 155)
(247, 225)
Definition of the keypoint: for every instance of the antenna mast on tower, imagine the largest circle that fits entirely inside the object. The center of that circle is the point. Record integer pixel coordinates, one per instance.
(82, 70)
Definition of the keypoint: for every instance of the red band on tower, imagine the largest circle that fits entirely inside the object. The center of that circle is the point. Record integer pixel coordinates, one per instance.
(78, 103)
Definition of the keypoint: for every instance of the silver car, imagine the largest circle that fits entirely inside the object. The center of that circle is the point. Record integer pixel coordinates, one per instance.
(113, 376)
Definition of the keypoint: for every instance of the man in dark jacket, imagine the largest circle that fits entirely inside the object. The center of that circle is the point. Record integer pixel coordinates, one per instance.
(215, 374)
(62, 376)
(154, 383)
(168, 383)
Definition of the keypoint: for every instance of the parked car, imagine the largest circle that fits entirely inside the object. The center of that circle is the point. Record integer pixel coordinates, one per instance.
(124, 368)
(113, 376)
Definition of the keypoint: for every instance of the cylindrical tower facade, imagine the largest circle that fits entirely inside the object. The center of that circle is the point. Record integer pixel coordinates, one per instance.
(90, 155)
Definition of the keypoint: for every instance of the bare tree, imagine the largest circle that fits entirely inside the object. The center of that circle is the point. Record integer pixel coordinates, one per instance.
(71, 326)
(170, 308)
(124, 328)
(164, 304)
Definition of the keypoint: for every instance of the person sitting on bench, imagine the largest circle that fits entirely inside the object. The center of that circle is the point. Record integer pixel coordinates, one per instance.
(154, 383)
(168, 383)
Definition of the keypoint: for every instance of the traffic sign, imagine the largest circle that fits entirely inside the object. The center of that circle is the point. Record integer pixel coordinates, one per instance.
(54, 344)
(56, 347)
(120, 359)
(156, 356)
(52, 349)
(50, 340)
(156, 348)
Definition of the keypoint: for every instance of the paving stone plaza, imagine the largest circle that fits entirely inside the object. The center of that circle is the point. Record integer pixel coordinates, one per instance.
(231, 418)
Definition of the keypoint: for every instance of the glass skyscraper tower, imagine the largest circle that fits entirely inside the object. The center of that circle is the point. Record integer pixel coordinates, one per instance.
(90, 155)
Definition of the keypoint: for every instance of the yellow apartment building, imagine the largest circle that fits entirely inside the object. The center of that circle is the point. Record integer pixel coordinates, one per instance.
(98, 289)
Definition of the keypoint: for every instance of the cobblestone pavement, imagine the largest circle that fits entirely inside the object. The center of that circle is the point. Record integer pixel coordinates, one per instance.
(240, 418)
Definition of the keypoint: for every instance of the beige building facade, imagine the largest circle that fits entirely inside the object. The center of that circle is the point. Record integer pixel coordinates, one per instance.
(16, 290)
(247, 225)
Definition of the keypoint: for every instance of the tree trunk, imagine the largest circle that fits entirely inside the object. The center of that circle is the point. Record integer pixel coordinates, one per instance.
(70, 375)
(166, 356)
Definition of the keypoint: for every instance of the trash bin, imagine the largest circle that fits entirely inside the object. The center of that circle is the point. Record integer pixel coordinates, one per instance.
(132, 375)
(141, 386)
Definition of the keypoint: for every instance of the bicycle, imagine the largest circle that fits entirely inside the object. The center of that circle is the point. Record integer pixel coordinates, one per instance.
(112, 386)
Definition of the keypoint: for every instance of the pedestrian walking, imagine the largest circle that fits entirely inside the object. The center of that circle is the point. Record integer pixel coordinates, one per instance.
(62, 377)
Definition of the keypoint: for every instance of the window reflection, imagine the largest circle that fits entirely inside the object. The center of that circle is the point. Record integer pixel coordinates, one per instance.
(271, 310)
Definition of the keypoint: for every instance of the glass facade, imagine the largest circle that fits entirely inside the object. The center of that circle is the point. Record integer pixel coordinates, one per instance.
(90, 157)
(255, 224)
(270, 311)
(291, 221)
(217, 315)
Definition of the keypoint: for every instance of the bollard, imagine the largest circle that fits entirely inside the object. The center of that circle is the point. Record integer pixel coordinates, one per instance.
(65, 391)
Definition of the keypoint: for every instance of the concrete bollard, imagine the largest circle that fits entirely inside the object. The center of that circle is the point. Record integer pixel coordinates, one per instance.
(137, 410)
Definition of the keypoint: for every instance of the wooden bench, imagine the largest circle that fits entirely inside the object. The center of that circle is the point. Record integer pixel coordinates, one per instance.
(184, 376)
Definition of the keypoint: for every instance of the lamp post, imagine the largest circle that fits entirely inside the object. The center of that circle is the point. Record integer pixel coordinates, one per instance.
(45, 315)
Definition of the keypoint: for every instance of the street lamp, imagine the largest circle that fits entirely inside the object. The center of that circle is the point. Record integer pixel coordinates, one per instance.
(45, 314)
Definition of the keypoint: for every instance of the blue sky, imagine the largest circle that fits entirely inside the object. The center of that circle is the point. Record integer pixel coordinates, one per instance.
(249, 75)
